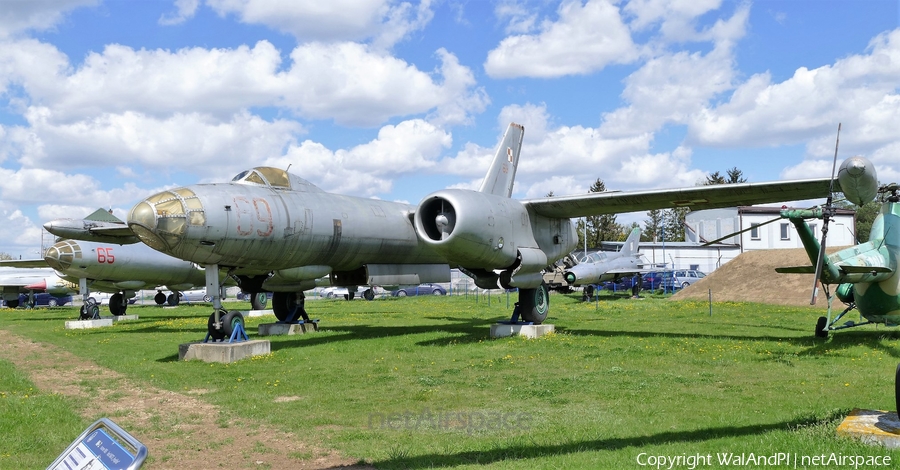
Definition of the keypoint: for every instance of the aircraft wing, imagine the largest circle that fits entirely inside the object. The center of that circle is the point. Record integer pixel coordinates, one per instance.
(631, 270)
(24, 263)
(695, 198)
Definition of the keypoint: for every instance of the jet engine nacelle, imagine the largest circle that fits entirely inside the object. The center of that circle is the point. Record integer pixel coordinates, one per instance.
(474, 229)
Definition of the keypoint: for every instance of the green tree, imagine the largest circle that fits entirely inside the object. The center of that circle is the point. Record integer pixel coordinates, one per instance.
(599, 227)
(653, 226)
(865, 215)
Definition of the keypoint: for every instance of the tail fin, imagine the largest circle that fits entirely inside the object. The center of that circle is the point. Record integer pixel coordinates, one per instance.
(502, 174)
(631, 243)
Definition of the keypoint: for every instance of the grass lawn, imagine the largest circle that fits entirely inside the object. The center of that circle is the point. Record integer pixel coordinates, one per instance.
(417, 382)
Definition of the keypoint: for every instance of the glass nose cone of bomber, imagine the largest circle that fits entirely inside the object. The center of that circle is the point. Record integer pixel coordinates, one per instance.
(61, 255)
(161, 220)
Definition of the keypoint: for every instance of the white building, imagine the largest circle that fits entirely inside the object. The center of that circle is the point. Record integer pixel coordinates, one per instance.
(764, 230)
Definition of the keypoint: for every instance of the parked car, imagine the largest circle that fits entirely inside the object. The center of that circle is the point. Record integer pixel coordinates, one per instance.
(661, 280)
(44, 300)
(422, 289)
(686, 277)
(194, 295)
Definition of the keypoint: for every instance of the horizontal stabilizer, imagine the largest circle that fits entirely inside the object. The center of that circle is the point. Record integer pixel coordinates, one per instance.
(796, 270)
(864, 269)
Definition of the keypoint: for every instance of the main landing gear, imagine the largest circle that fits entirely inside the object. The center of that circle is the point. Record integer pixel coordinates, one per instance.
(533, 305)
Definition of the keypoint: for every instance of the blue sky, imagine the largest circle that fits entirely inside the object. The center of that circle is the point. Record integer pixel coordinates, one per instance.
(103, 103)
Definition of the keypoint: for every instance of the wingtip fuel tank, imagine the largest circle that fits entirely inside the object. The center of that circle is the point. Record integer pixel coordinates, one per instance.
(858, 180)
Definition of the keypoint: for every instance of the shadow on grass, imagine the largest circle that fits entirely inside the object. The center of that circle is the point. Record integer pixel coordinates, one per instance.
(526, 451)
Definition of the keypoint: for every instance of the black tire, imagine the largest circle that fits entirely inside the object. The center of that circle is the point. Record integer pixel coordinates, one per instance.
(93, 311)
(116, 305)
(369, 294)
(215, 333)
(207, 298)
(350, 295)
(159, 298)
(401, 293)
(821, 332)
(284, 304)
(52, 302)
(534, 304)
(173, 299)
(231, 321)
(437, 292)
(259, 300)
(684, 285)
(82, 313)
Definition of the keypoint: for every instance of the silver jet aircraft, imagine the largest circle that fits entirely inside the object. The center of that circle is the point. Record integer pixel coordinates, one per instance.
(119, 269)
(15, 281)
(274, 231)
(601, 266)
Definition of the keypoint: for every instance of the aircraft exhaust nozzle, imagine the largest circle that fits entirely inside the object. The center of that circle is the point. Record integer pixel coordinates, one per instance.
(858, 180)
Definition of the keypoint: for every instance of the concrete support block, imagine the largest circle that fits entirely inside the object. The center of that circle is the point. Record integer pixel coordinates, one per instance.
(872, 427)
(502, 330)
(223, 352)
(259, 313)
(85, 324)
(271, 329)
(120, 317)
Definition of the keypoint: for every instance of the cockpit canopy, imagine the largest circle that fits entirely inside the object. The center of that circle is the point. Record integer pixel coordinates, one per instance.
(592, 258)
(274, 178)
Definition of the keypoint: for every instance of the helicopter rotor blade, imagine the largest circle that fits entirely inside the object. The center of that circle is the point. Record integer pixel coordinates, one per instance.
(826, 216)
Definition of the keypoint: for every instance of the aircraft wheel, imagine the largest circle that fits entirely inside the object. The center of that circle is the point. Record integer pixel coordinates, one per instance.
(259, 300)
(82, 313)
(534, 304)
(284, 304)
(173, 299)
(216, 333)
(897, 388)
(12, 303)
(90, 311)
(159, 298)
(369, 294)
(349, 295)
(115, 304)
(231, 322)
(821, 332)
(588, 293)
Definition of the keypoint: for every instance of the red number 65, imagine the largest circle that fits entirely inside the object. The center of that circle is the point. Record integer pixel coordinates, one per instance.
(105, 255)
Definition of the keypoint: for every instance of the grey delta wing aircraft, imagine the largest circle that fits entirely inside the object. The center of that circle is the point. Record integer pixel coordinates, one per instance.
(276, 232)
(600, 266)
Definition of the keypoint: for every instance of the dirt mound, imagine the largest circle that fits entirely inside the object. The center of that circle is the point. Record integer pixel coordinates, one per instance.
(751, 277)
